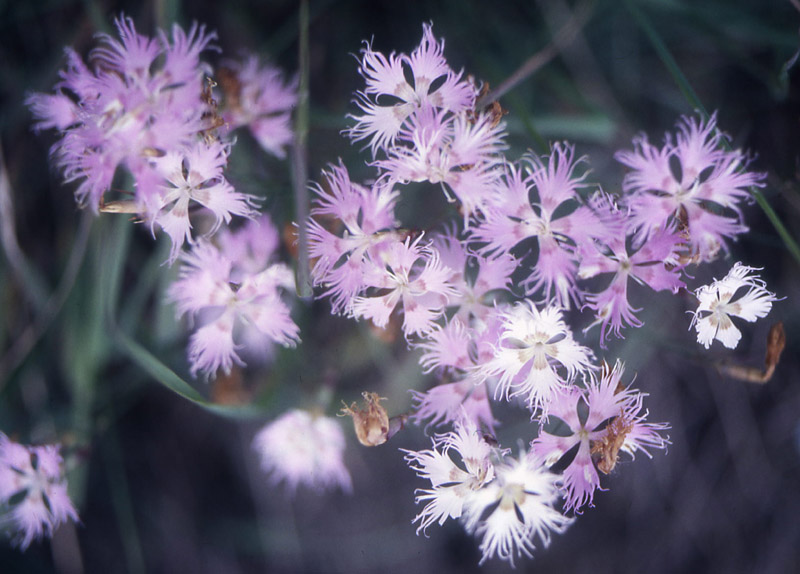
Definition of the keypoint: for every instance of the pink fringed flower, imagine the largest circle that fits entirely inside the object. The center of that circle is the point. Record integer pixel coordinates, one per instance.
(459, 152)
(33, 487)
(557, 219)
(386, 79)
(704, 192)
(489, 277)
(712, 319)
(300, 447)
(654, 263)
(614, 423)
(366, 216)
(195, 175)
(410, 274)
(143, 106)
(229, 298)
(141, 99)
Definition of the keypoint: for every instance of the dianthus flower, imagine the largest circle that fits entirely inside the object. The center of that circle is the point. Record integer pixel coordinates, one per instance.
(614, 423)
(228, 298)
(258, 97)
(691, 180)
(386, 79)
(33, 487)
(300, 447)
(452, 350)
(408, 273)
(142, 98)
(507, 502)
(559, 221)
(535, 355)
(195, 175)
(477, 280)
(142, 106)
(452, 484)
(712, 319)
(461, 153)
(366, 216)
(655, 264)
(516, 508)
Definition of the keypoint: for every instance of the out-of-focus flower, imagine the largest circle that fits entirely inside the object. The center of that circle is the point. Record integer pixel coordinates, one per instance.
(712, 319)
(35, 474)
(300, 447)
(625, 430)
(257, 96)
(708, 179)
(141, 98)
(228, 298)
(142, 105)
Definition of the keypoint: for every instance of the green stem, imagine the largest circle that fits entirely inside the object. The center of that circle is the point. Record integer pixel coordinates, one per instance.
(693, 99)
(300, 159)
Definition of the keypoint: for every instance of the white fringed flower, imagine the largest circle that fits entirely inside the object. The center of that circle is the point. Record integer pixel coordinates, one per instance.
(712, 319)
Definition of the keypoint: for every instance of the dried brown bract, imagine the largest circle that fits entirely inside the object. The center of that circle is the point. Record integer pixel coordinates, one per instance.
(607, 446)
(776, 343)
(370, 420)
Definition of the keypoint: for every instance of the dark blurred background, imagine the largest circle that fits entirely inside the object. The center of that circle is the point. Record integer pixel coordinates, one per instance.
(165, 486)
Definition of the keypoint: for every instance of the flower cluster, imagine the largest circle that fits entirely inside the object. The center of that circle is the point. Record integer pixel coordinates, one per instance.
(488, 299)
(33, 490)
(144, 104)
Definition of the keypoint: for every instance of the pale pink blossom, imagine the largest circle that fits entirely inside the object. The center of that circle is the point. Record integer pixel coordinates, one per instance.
(457, 402)
(366, 218)
(229, 299)
(655, 263)
(556, 217)
(262, 101)
(141, 98)
(409, 274)
(303, 448)
(461, 153)
(35, 473)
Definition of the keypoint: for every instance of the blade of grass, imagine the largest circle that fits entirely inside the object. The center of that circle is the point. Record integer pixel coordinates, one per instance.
(691, 96)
